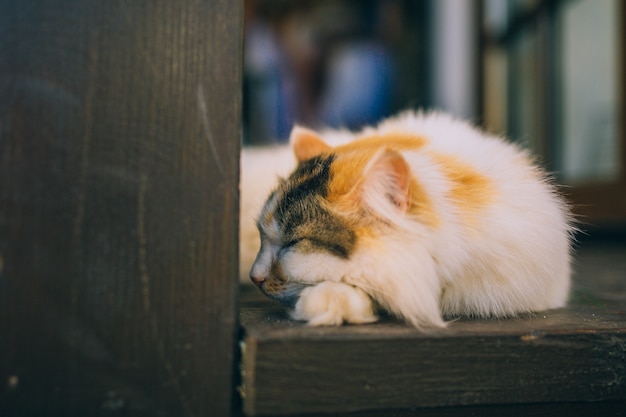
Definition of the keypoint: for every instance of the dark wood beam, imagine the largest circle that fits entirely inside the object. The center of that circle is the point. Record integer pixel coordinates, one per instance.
(119, 150)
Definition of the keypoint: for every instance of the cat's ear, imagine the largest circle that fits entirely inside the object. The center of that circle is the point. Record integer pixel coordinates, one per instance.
(386, 178)
(306, 143)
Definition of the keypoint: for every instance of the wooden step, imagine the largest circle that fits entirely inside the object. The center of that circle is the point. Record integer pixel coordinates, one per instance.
(565, 356)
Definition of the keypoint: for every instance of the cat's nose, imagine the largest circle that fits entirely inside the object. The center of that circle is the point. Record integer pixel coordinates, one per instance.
(257, 278)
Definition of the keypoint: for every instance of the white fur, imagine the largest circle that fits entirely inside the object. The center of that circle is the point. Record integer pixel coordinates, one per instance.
(512, 258)
(332, 304)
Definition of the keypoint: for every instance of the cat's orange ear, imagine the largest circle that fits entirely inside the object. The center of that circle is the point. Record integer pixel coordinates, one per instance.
(387, 178)
(306, 143)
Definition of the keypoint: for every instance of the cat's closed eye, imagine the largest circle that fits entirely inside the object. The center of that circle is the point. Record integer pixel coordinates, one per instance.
(288, 248)
(293, 242)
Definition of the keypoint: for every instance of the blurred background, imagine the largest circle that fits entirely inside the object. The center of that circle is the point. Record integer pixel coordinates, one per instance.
(547, 74)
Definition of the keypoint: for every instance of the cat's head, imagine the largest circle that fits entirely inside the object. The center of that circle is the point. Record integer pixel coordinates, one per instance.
(320, 222)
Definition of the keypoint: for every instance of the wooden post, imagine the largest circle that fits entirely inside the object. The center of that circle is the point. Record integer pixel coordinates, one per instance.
(119, 150)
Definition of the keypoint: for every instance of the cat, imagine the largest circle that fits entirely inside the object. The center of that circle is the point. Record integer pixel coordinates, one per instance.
(424, 217)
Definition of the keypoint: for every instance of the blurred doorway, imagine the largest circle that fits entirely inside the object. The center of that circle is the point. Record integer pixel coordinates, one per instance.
(553, 74)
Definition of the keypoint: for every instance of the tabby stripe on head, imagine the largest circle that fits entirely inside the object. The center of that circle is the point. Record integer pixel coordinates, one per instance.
(311, 176)
(301, 214)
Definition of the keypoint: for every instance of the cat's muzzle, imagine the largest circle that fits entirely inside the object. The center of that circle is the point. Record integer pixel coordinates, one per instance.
(286, 293)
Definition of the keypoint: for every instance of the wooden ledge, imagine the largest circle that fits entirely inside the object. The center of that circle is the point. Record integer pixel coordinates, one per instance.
(560, 356)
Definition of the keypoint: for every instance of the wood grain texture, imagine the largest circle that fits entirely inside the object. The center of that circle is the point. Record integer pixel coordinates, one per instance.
(556, 358)
(119, 145)
(388, 366)
(576, 409)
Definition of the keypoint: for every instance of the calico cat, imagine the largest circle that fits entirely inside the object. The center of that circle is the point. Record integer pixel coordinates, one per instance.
(423, 216)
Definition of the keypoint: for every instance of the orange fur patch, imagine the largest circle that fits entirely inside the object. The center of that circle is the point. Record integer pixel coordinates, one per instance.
(470, 190)
(351, 160)
(354, 156)
(398, 141)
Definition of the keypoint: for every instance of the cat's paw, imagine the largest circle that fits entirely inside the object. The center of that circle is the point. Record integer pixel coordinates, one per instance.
(332, 304)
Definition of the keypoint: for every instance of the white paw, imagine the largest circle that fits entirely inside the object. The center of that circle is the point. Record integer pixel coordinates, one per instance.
(332, 304)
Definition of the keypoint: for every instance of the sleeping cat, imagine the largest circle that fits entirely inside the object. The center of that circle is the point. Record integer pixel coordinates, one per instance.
(423, 216)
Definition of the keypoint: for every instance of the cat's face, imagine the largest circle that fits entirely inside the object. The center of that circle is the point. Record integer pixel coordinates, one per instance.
(325, 215)
(302, 241)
